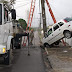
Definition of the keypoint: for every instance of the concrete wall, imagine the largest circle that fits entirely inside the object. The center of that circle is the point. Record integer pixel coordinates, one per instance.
(69, 41)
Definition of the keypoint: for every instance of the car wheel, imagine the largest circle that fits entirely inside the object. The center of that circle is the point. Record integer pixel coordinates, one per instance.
(56, 43)
(46, 45)
(67, 34)
(8, 58)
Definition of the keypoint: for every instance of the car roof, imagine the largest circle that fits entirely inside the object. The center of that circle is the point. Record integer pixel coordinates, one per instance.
(56, 23)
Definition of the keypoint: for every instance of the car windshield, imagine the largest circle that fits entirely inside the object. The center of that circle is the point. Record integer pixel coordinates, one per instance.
(68, 19)
(0, 14)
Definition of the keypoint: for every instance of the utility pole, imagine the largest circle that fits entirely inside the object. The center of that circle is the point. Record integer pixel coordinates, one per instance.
(40, 21)
(44, 17)
(40, 14)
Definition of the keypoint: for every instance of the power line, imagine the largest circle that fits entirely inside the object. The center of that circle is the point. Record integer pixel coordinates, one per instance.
(27, 18)
(23, 1)
(22, 5)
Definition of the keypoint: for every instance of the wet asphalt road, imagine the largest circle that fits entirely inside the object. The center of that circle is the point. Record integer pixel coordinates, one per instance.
(24, 63)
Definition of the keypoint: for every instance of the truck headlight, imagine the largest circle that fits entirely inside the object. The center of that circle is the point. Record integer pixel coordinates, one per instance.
(4, 50)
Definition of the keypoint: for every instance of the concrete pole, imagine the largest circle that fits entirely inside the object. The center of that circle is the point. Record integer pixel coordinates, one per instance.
(43, 16)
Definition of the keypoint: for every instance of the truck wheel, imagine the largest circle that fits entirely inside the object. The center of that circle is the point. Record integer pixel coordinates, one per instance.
(12, 43)
(19, 46)
(8, 58)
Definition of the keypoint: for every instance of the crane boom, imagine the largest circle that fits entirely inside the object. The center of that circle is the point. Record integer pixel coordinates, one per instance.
(50, 10)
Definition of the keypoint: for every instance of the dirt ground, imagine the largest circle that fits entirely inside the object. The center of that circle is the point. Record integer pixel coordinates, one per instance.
(60, 58)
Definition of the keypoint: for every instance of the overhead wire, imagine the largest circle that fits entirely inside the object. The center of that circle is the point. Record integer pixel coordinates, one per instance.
(22, 5)
(22, 1)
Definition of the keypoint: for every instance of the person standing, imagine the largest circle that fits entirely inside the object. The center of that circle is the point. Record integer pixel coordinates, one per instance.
(31, 36)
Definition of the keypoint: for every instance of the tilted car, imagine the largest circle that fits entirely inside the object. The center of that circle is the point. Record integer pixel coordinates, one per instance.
(62, 29)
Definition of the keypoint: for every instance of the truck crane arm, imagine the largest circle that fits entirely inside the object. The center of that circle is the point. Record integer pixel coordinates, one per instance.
(50, 10)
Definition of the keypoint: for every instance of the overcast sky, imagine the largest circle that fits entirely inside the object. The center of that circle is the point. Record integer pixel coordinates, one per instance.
(60, 8)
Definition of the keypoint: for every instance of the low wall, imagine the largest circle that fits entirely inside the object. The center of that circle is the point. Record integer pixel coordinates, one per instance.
(69, 41)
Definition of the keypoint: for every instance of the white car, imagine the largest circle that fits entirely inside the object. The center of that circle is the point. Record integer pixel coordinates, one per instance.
(62, 29)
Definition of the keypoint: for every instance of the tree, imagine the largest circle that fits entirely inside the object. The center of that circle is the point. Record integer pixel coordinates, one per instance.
(22, 23)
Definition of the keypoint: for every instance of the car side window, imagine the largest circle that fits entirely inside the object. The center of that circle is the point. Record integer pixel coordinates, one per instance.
(60, 23)
(50, 31)
(55, 27)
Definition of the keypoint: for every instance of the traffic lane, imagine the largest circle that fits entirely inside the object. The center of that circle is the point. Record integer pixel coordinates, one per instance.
(8, 68)
(32, 63)
(24, 63)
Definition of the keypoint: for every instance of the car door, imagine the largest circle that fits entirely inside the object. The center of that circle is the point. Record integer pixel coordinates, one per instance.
(49, 38)
(62, 26)
(56, 33)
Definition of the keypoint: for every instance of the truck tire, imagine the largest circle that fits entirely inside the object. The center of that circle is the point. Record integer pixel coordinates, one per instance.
(8, 58)
(12, 41)
(19, 46)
